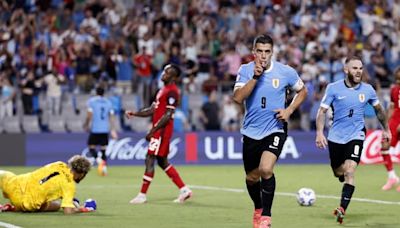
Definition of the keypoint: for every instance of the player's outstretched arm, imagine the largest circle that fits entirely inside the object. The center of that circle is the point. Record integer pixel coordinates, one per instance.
(89, 206)
(145, 112)
(320, 140)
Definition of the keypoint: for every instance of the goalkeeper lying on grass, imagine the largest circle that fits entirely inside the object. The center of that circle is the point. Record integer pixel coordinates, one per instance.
(46, 189)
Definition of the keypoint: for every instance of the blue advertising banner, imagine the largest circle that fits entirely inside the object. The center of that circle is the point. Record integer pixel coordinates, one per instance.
(187, 148)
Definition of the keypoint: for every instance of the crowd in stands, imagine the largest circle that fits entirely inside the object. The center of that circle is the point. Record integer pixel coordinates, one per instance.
(53, 53)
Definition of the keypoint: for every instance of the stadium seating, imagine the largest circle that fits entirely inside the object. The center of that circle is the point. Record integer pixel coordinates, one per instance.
(56, 124)
(11, 124)
(30, 124)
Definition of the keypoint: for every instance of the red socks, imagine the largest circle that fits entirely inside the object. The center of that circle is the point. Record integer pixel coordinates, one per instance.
(174, 175)
(147, 178)
(388, 162)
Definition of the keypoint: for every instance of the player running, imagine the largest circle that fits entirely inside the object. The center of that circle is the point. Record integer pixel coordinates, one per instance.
(348, 99)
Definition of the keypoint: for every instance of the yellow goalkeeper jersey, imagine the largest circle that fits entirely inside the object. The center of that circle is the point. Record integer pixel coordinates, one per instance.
(28, 192)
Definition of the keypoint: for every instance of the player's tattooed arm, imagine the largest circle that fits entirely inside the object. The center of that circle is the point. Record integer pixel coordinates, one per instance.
(320, 139)
(381, 115)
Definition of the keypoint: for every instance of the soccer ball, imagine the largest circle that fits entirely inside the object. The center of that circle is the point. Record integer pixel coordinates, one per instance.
(306, 197)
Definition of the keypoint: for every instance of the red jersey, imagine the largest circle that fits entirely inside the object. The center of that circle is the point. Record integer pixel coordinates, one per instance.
(167, 97)
(395, 99)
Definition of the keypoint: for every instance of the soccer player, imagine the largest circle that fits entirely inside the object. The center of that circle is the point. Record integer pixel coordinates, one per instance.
(100, 118)
(348, 98)
(394, 122)
(162, 111)
(262, 85)
(46, 189)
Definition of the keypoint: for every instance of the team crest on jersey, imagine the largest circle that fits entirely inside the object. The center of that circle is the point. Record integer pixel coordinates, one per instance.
(361, 97)
(171, 100)
(275, 83)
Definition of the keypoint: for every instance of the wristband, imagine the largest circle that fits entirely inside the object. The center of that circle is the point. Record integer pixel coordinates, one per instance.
(256, 77)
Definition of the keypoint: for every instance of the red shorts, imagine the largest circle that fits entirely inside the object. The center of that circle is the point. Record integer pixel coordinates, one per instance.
(159, 146)
(393, 125)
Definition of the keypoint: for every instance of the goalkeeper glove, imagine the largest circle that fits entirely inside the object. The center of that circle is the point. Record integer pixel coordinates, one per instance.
(90, 205)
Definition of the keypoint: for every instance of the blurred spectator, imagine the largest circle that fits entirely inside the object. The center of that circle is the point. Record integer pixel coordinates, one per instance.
(337, 69)
(142, 62)
(83, 78)
(379, 70)
(53, 81)
(319, 92)
(230, 114)
(125, 73)
(306, 106)
(7, 98)
(181, 123)
(27, 89)
(85, 40)
(210, 113)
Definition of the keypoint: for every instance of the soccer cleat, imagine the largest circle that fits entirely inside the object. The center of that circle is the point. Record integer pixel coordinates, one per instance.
(185, 194)
(139, 199)
(7, 207)
(256, 218)
(265, 222)
(339, 213)
(391, 182)
(102, 168)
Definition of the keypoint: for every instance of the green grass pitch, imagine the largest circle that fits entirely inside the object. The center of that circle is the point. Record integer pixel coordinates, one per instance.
(220, 200)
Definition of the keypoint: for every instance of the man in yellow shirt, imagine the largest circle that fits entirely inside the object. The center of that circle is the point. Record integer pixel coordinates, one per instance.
(48, 188)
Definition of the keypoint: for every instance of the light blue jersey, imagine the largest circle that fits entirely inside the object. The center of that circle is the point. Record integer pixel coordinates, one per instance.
(268, 95)
(101, 108)
(348, 105)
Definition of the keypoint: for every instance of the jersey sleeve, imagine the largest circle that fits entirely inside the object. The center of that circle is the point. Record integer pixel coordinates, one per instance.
(68, 193)
(295, 81)
(242, 77)
(89, 105)
(374, 98)
(172, 99)
(328, 98)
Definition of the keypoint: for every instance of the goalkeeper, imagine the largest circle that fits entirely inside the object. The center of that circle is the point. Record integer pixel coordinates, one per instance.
(48, 188)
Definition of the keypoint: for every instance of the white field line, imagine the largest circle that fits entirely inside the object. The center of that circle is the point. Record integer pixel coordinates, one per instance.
(238, 190)
(294, 195)
(8, 225)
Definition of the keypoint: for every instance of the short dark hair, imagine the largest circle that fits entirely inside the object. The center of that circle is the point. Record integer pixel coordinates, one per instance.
(176, 70)
(353, 57)
(100, 91)
(263, 39)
